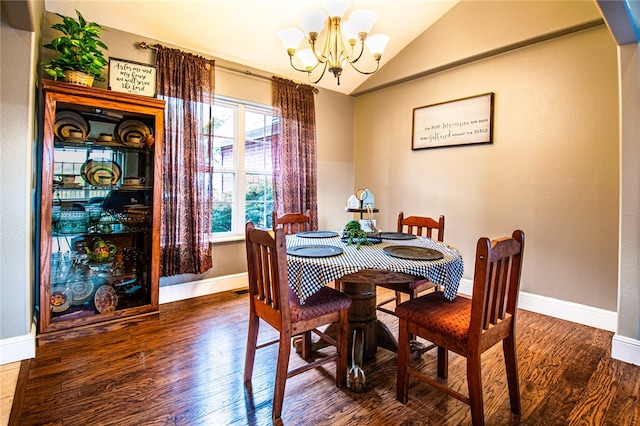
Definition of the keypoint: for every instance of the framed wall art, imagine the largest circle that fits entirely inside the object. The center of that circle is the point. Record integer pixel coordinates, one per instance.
(459, 122)
(132, 77)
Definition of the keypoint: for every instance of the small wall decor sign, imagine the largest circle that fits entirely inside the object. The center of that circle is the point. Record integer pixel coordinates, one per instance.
(458, 122)
(132, 77)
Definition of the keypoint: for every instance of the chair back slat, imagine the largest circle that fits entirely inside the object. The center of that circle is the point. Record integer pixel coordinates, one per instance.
(422, 226)
(292, 222)
(267, 268)
(498, 289)
(268, 278)
(496, 280)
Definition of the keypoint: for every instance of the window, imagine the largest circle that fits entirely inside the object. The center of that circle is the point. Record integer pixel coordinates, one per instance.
(242, 170)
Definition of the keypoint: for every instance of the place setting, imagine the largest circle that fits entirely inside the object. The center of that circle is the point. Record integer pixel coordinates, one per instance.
(314, 251)
(317, 234)
(413, 253)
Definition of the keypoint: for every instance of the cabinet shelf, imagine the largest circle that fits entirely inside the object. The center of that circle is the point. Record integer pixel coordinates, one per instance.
(94, 144)
(78, 295)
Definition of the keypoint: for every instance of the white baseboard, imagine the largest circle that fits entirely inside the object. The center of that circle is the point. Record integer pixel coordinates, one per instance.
(191, 289)
(625, 349)
(574, 312)
(18, 348)
(622, 348)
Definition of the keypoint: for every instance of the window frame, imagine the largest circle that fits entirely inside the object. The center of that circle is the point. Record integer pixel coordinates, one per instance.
(237, 168)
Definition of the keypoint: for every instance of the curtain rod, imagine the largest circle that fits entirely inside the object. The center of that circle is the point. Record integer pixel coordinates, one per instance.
(145, 45)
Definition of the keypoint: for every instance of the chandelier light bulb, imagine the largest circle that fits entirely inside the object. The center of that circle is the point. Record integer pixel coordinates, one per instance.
(307, 58)
(336, 8)
(313, 22)
(363, 20)
(377, 43)
(290, 38)
(349, 31)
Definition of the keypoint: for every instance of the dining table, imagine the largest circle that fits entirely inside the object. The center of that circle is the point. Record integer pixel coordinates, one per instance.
(318, 258)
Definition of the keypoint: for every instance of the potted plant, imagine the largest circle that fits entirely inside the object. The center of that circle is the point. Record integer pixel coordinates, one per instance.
(79, 51)
(353, 233)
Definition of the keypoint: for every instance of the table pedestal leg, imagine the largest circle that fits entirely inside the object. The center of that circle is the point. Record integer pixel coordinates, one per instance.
(366, 330)
(357, 379)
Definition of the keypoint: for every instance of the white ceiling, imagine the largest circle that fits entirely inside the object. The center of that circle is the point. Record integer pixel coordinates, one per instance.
(244, 31)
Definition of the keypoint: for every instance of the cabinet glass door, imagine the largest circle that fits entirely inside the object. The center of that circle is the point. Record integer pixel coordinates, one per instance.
(101, 212)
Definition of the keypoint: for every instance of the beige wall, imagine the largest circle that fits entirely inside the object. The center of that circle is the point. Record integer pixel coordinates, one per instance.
(17, 136)
(552, 169)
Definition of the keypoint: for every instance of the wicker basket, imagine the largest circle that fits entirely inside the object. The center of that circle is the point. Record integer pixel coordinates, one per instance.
(79, 78)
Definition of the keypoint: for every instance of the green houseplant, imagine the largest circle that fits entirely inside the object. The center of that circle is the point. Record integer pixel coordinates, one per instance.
(355, 234)
(79, 50)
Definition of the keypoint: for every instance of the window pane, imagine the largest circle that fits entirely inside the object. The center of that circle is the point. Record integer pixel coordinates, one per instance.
(224, 127)
(242, 168)
(259, 200)
(223, 184)
(257, 145)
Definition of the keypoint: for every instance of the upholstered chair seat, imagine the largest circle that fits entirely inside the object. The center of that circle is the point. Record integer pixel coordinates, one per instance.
(325, 301)
(442, 316)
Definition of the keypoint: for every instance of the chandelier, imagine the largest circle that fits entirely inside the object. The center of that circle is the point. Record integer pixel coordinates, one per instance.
(341, 45)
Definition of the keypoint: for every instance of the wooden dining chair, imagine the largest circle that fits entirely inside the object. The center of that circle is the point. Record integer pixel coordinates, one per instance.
(272, 300)
(469, 327)
(292, 222)
(420, 226)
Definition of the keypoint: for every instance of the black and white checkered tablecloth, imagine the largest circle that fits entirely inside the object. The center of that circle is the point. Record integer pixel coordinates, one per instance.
(308, 274)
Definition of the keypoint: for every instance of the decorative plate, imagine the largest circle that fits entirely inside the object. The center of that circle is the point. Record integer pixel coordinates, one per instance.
(106, 299)
(100, 172)
(61, 298)
(413, 253)
(128, 128)
(82, 291)
(317, 234)
(314, 251)
(397, 236)
(67, 121)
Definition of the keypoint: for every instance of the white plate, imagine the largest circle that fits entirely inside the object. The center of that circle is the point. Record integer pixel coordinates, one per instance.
(82, 291)
(106, 299)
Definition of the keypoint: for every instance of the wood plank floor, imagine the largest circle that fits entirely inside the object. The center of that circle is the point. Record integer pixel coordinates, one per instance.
(185, 365)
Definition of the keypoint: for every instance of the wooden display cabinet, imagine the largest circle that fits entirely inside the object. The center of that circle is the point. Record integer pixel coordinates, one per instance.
(99, 223)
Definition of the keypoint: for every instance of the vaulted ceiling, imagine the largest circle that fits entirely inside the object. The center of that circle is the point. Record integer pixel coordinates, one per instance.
(245, 31)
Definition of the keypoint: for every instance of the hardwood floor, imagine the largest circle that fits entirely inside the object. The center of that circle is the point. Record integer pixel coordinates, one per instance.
(185, 365)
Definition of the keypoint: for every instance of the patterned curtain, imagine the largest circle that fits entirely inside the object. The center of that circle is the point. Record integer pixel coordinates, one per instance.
(186, 83)
(293, 149)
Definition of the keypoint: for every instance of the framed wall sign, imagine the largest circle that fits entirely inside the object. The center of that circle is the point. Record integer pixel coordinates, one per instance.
(459, 122)
(132, 77)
